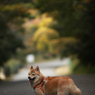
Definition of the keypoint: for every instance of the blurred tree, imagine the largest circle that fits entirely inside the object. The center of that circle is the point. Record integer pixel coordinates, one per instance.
(12, 13)
(75, 19)
(87, 33)
(41, 37)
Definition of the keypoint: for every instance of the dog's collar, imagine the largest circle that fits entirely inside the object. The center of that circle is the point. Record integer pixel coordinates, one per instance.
(40, 85)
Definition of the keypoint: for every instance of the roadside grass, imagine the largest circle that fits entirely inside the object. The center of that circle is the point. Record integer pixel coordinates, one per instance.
(74, 68)
(1, 80)
(81, 69)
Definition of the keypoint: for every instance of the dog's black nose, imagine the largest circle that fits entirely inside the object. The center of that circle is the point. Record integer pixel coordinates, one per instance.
(29, 78)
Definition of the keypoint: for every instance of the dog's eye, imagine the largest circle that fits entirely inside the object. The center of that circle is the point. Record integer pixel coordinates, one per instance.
(29, 74)
(33, 74)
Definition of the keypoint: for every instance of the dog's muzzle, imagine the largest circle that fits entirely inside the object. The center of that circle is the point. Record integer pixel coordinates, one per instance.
(31, 79)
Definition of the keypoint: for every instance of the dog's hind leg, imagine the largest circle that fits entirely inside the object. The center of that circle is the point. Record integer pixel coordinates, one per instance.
(63, 90)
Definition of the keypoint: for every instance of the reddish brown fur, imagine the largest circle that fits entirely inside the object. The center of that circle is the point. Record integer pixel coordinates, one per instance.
(53, 85)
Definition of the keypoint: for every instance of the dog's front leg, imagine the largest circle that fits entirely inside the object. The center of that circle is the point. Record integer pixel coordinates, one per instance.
(38, 91)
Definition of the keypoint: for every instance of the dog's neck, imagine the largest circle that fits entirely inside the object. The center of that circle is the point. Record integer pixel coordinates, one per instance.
(37, 81)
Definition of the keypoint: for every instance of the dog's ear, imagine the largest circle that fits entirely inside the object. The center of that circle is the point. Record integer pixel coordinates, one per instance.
(31, 67)
(37, 68)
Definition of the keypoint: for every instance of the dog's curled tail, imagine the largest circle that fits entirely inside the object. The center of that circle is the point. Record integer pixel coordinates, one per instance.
(74, 90)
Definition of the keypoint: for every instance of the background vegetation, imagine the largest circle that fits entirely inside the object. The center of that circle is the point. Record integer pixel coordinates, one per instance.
(75, 25)
(47, 29)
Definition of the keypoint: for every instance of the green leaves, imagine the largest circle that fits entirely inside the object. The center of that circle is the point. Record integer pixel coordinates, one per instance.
(76, 19)
(12, 13)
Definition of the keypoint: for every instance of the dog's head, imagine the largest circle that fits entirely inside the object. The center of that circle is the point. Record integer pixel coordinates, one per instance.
(34, 74)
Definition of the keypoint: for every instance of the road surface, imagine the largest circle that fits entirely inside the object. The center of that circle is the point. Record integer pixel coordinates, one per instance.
(85, 82)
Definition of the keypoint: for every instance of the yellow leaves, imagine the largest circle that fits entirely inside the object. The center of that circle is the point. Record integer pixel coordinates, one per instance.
(34, 12)
(42, 42)
(46, 22)
(42, 39)
(43, 36)
(44, 31)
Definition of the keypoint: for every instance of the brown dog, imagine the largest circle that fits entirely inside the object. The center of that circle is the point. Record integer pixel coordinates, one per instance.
(51, 85)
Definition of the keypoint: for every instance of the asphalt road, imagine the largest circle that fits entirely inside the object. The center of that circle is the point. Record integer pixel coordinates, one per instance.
(85, 82)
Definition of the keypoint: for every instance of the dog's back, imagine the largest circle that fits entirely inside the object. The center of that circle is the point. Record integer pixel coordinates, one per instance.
(61, 86)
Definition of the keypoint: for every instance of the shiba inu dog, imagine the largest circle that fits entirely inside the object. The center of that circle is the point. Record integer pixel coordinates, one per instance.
(51, 85)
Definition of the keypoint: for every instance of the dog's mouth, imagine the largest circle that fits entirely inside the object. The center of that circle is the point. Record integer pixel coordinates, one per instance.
(31, 79)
